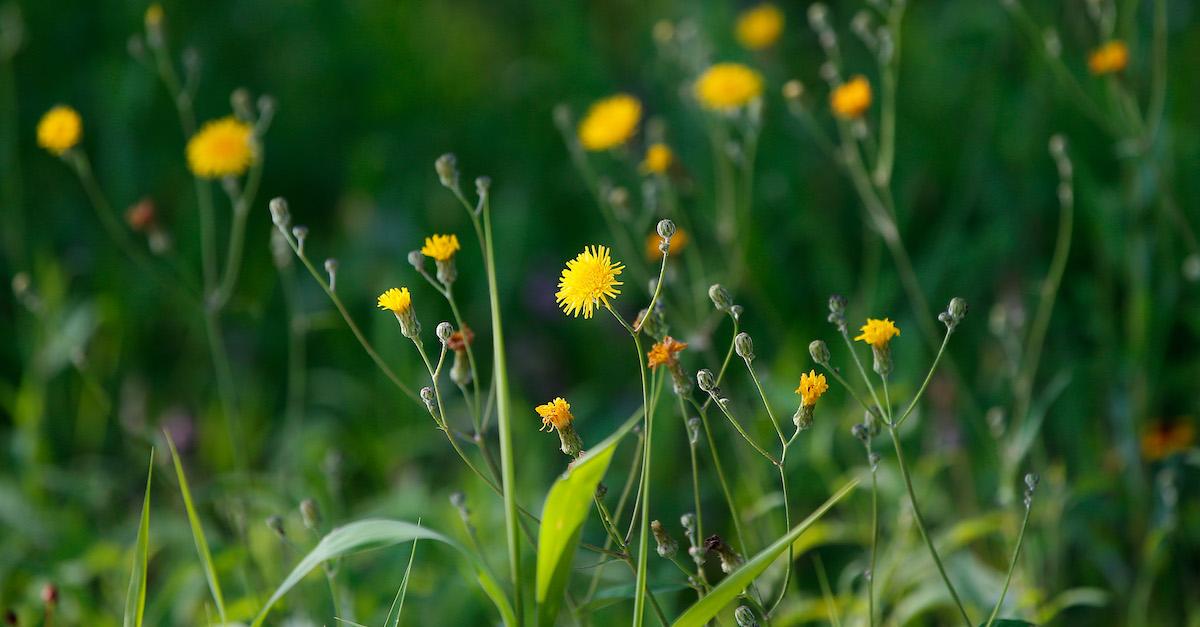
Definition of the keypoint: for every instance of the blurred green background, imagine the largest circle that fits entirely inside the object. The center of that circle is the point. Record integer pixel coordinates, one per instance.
(370, 92)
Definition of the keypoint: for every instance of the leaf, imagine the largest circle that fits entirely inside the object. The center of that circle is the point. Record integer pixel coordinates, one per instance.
(398, 602)
(563, 515)
(376, 533)
(1008, 622)
(135, 599)
(210, 572)
(737, 581)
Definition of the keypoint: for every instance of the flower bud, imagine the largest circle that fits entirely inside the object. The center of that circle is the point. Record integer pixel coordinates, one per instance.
(666, 544)
(310, 514)
(416, 260)
(483, 184)
(706, 381)
(745, 617)
(720, 297)
(1032, 480)
(819, 352)
(279, 212)
(447, 270)
(447, 170)
(444, 331)
(744, 346)
(331, 267)
(50, 595)
(427, 396)
(883, 359)
(803, 418)
(837, 311)
(793, 90)
(460, 370)
(601, 490)
(688, 522)
(955, 312)
(729, 559)
(735, 311)
(860, 431)
(693, 430)
(666, 229)
(300, 232)
(275, 523)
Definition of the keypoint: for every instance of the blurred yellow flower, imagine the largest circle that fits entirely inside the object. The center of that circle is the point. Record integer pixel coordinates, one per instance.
(1164, 439)
(556, 414)
(760, 26)
(223, 147)
(441, 247)
(610, 122)
(154, 15)
(728, 86)
(396, 300)
(589, 280)
(678, 241)
(1109, 58)
(664, 352)
(812, 386)
(60, 129)
(878, 333)
(658, 159)
(851, 99)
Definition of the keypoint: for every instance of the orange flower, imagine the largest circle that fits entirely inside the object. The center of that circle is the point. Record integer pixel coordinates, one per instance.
(1165, 439)
(664, 352)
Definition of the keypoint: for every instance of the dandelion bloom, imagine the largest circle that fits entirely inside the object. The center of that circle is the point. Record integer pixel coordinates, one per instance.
(610, 122)
(812, 386)
(658, 159)
(665, 352)
(1109, 58)
(727, 86)
(1165, 439)
(851, 99)
(396, 300)
(760, 26)
(589, 280)
(555, 414)
(441, 247)
(60, 129)
(878, 333)
(224, 147)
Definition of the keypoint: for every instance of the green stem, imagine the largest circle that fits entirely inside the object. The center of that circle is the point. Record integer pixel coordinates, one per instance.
(639, 599)
(1012, 565)
(874, 541)
(763, 395)
(928, 376)
(746, 436)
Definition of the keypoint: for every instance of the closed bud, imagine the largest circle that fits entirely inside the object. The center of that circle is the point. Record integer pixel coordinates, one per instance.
(483, 184)
(837, 311)
(693, 430)
(744, 346)
(860, 431)
(735, 311)
(275, 523)
(416, 260)
(957, 310)
(745, 617)
(666, 544)
(428, 398)
(720, 297)
(444, 331)
(706, 381)
(447, 170)
(803, 418)
(310, 514)
(819, 351)
(666, 229)
(331, 267)
(279, 212)
(300, 232)
(793, 90)
(1031, 481)
(688, 522)
(460, 370)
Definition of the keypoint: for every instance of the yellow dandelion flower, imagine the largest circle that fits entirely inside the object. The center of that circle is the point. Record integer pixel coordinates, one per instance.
(760, 26)
(60, 129)
(154, 15)
(588, 281)
(610, 122)
(812, 386)
(555, 414)
(658, 159)
(223, 147)
(727, 86)
(665, 352)
(678, 241)
(1109, 58)
(396, 300)
(851, 99)
(878, 333)
(441, 247)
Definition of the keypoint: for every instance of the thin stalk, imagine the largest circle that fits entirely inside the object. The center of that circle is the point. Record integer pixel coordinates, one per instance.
(770, 412)
(625, 491)
(787, 524)
(1012, 565)
(746, 436)
(695, 484)
(237, 234)
(874, 541)
(639, 599)
(924, 384)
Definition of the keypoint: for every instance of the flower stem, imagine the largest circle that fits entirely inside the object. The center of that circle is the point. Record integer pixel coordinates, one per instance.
(1011, 567)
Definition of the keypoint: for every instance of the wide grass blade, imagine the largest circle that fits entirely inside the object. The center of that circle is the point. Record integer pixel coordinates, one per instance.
(135, 599)
(210, 571)
(705, 609)
(563, 515)
(376, 533)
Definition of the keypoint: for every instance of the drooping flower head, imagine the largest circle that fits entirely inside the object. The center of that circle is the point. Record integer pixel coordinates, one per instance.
(588, 281)
(658, 159)
(878, 333)
(676, 244)
(727, 86)
(60, 129)
(759, 26)
(610, 122)
(397, 300)
(440, 247)
(851, 99)
(1109, 58)
(223, 147)
(665, 352)
(557, 415)
(461, 339)
(812, 386)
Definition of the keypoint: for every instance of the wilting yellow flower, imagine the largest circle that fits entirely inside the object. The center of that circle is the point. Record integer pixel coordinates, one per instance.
(728, 86)
(223, 147)
(812, 386)
(1111, 57)
(658, 160)
(664, 352)
(1165, 439)
(878, 333)
(678, 241)
(154, 15)
(556, 414)
(441, 247)
(396, 300)
(610, 122)
(60, 129)
(588, 281)
(851, 99)
(760, 26)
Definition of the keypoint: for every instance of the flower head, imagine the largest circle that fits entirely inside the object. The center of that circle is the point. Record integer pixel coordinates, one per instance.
(1164, 439)
(658, 159)
(1109, 58)
(555, 414)
(396, 300)
(461, 339)
(677, 242)
(727, 86)
(851, 99)
(812, 386)
(610, 122)
(589, 280)
(665, 352)
(878, 333)
(441, 247)
(154, 15)
(60, 129)
(760, 26)
(223, 147)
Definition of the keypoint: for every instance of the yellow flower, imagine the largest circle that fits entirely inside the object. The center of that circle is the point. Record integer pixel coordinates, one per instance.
(397, 300)
(60, 129)
(154, 15)
(1109, 58)
(664, 352)
(556, 414)
(610, 122)
(878, 333)
(658, 160)
(851, 99)
(728, 86)
(812, 386)
(441, 247)
(224, 147)
(589, 280)
(760, 26)
(678, 241)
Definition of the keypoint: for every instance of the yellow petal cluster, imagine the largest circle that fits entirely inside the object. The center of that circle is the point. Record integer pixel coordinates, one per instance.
(556, 414)
(878, 333)
(1109, 58)
(851, 99)
(658, 159)
(610, 122)
(60, 129)
(223, 147)
(441, 247)
(665, 352)
(396, 300)
(759, 26)
(812, 386)
(727, 86)
(588, 281)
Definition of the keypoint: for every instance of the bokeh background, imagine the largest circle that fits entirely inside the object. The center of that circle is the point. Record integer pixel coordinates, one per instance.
(370, 92)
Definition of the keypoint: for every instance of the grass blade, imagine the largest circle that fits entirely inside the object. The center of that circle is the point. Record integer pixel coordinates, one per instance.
(210, 571)
(705, 609)
(398, 602)
(135, 599)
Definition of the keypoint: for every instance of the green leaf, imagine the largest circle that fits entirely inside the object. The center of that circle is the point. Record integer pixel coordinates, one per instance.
(706, 608)
(1008, 622)
(210, 572)
(375, 533)
(398, 602)
(135, 599)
